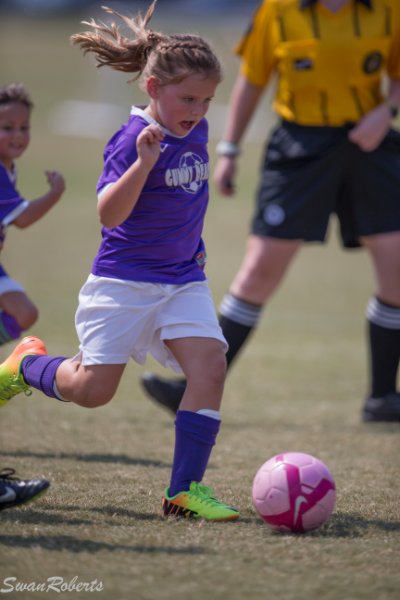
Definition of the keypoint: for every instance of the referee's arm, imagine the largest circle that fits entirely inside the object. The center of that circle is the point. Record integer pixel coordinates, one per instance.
(373, 127)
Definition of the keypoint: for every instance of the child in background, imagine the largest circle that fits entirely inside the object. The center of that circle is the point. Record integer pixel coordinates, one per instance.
(17, 312)
(147, 292)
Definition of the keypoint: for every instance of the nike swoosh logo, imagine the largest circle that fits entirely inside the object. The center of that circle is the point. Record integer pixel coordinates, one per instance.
(8, 496)
(299, 501)
(163, 147)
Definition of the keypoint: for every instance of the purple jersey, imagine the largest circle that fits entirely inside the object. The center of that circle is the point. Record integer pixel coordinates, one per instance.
(11, 203)
(161, 240)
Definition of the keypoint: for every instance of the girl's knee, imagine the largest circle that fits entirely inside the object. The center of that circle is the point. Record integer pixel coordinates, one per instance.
(83, 391)
(220, 365)
(216, 367)
(27, 317)
(92, 399)
(94, 403)
(89, 386)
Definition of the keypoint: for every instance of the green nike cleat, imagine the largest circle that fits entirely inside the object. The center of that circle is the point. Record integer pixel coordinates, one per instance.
(11, 380)
(199, 503)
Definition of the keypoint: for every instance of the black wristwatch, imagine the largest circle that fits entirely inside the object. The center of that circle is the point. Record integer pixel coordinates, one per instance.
(393, 108)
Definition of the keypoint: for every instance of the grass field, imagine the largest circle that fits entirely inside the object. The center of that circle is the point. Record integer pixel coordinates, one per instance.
(299, 386)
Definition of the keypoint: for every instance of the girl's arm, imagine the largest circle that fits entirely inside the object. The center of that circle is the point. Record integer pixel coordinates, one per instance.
(36, 209)
(117, 202)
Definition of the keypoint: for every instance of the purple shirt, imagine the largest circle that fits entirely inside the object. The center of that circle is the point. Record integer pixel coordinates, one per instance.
(11, 203)
(161, 240)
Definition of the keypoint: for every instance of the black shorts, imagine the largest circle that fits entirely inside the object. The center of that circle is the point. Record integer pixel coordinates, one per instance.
(310, 173)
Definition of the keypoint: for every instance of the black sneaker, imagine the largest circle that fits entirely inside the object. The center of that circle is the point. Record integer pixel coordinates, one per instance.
(382, 409)
(166, 392)
(14, 491)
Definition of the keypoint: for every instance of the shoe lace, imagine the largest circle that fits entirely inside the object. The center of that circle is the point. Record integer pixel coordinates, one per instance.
(204, 494)
(9, 474)
(14, 387)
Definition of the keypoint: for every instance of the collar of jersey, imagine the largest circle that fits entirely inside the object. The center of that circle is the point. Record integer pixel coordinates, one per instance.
(139, 111)
(308, 3)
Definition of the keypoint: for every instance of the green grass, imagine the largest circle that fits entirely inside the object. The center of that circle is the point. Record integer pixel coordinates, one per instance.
(299, 385)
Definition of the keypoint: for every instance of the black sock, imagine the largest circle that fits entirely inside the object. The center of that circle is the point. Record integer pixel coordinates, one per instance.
(238, 319)
(384, 343)
(235, 334)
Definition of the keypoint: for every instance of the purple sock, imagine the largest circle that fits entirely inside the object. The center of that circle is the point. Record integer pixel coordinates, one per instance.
(195, 436)
(9, 328)
(40, 372)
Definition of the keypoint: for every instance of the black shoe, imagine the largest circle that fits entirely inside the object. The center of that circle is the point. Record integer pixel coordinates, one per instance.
(166, 392)
(382, 409)
(14, 491)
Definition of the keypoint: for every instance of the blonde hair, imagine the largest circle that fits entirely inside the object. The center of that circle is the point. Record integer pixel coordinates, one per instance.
(15, 92)
(169, 58)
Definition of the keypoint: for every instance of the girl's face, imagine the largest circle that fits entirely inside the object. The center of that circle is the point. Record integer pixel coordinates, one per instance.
(180, 106)
(14, 131)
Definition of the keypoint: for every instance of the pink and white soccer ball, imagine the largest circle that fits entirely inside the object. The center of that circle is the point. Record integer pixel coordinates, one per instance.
(294, 492)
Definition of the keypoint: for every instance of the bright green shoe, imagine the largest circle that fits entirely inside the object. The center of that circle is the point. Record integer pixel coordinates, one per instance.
(199, 503)
(11, 380)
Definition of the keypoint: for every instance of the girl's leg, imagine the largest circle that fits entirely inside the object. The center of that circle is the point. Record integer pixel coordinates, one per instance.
(198, 419)
(204, 364)
(17, 313)
(88, 386)
(67, 379)
(196, 427)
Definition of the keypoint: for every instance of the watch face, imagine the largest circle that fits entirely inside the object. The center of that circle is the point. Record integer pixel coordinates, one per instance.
(372, 62)
(393, 109)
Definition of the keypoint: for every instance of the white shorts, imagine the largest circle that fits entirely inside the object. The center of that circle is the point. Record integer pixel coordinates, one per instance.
(117, 320)
(9, 285)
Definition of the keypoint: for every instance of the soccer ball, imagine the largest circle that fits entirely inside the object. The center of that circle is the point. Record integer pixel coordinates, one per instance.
(294, 492)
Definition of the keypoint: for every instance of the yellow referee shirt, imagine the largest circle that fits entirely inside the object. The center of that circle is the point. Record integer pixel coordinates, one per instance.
(330, 65)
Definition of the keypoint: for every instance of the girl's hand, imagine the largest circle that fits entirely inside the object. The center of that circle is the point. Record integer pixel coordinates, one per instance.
(56, 182)
(148, 144)
(371, 129)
